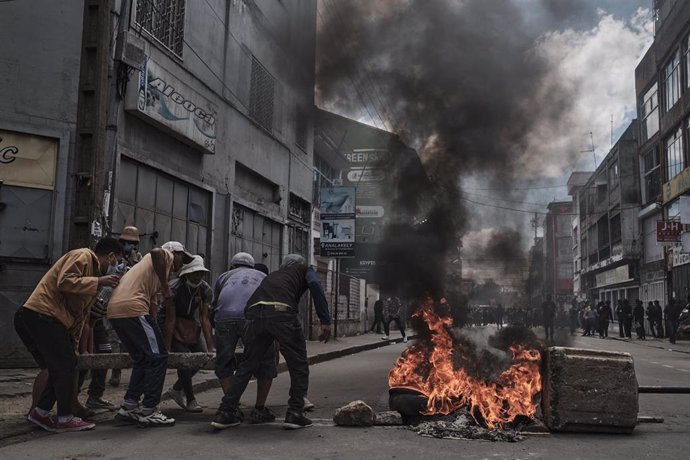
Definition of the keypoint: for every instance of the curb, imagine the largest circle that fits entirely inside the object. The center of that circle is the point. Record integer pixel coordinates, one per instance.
(650, 345)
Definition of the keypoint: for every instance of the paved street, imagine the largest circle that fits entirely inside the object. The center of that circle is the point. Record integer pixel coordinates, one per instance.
(363, 376)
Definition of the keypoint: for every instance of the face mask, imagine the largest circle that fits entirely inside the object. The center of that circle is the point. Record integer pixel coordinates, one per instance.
(129, 247)
(194, 285)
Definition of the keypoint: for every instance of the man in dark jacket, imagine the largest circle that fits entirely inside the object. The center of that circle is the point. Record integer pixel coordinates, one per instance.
(605, 317)
(378, 316)
(272, 314)
(548, 315)
(638, 318)
(626, 314)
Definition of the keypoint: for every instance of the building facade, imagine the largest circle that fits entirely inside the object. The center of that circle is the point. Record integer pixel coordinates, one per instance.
(191, 120)
(608, 209)
(576, 181)
(662, 84)
(558, 252)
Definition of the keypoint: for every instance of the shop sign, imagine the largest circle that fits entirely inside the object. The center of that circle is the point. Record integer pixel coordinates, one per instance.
(27, 160)
(337, 208)
(676, 186)
(668, 231)
(614, 276)
(678, 257)
(164, 99)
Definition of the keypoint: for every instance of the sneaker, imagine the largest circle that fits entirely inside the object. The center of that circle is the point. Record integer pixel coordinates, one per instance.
(226, 419)
(178, 397)
(74, 424)
(308, 405)
(295, 421)
(263, 415)
(193, 406)
(404, 339)
(125, 414)
(97, 403)
(45, 422)
(385, 337)
(155, 418)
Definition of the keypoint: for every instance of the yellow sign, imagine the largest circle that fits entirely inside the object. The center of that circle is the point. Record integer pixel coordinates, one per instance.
(27, 160)
(676, 186)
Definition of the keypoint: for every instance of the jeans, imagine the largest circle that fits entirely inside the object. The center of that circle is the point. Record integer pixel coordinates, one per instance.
(378, 319)
(51, 346)
(228, 333)
(398, 322)
(143, 340)
(264, 325)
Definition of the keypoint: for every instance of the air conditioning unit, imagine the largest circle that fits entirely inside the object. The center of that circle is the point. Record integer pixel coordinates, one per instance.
(133, 52)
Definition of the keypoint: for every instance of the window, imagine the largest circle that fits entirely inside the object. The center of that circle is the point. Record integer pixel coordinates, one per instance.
(672, 81)
(615, 226)
(164, 20)
(613, 175)
(261, 95)
(674, 154)
(602, 193)
(651, 176)
(650, 113)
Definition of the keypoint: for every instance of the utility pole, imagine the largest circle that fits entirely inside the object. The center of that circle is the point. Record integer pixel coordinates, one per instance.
(91, 123)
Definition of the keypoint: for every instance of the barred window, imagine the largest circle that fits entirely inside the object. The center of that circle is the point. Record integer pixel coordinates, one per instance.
(672, 80)
(164, 20)
(675, 156)
(261, 93)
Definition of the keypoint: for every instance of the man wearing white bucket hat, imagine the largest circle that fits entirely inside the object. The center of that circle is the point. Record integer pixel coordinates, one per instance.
(182, 318)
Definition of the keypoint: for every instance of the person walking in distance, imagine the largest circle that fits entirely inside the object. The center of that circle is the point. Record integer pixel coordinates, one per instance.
(620, 316)
(548, 308)
(272, 311)
(378, 317)
(182, 318)
(652, 319)
(50, 325)
(626, 311)
(392, 311)
(131, 311)
(499, 316)
(605, 317)
(638, 319)
(231, 292)
(659, 315)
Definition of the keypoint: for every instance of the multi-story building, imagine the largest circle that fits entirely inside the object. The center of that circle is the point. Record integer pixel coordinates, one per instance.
(609, 227)
(662, 84)
(191, 120)
(576, 181)
(558, 251)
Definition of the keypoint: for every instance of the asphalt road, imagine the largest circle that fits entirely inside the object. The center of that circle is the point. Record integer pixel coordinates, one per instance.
(363, 376)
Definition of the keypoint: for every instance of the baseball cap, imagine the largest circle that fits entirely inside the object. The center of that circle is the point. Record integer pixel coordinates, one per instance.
(176, 246)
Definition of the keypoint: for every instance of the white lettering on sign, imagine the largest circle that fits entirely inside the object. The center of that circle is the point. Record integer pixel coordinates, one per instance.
(176, 97)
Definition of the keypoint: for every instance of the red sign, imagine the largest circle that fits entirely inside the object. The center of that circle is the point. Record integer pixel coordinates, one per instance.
(668, 231)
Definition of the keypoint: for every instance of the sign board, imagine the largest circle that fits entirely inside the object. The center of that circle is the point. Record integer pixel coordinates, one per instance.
(678, 257)
(165, 100)
(614, 276)
(337, 209)
(668, 231)
(676, 186)
(27, 160)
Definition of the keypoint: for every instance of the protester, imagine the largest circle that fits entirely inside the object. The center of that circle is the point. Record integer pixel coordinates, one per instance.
(671, 315)
(131, 312)
(605, 316)
(659, 315)
(231, 292)
(378, 317)
(620, 316)
(651, 317)
(182, 318)
(548, 308)
(638, 319)
(392, 311)
(50, 325)
(626, 313)
(129, 238)
(272, 311)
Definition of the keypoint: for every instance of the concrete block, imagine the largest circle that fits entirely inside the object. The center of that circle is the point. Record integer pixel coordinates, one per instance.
(589, 391)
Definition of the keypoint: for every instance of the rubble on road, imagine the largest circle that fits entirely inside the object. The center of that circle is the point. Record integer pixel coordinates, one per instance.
(388, 418)
(356, 413)
(460, 425)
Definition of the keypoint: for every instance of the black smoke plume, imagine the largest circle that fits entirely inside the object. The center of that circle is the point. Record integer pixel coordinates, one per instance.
(460, 83)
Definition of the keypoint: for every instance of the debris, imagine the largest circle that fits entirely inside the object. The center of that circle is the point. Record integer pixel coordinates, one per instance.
(356, 413)
(388, 418)
(461, 426)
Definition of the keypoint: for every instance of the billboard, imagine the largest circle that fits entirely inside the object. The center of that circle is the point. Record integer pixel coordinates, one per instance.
(337, 209)
(669, 231)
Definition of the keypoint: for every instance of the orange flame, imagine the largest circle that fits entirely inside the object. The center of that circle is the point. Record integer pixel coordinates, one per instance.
(430, 371)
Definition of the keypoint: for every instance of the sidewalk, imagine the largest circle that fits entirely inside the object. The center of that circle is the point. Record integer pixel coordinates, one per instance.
(681, 346)
(16, 384)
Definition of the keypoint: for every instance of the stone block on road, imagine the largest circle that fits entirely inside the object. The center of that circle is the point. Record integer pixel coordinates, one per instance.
(589, 391)
(356, 413)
